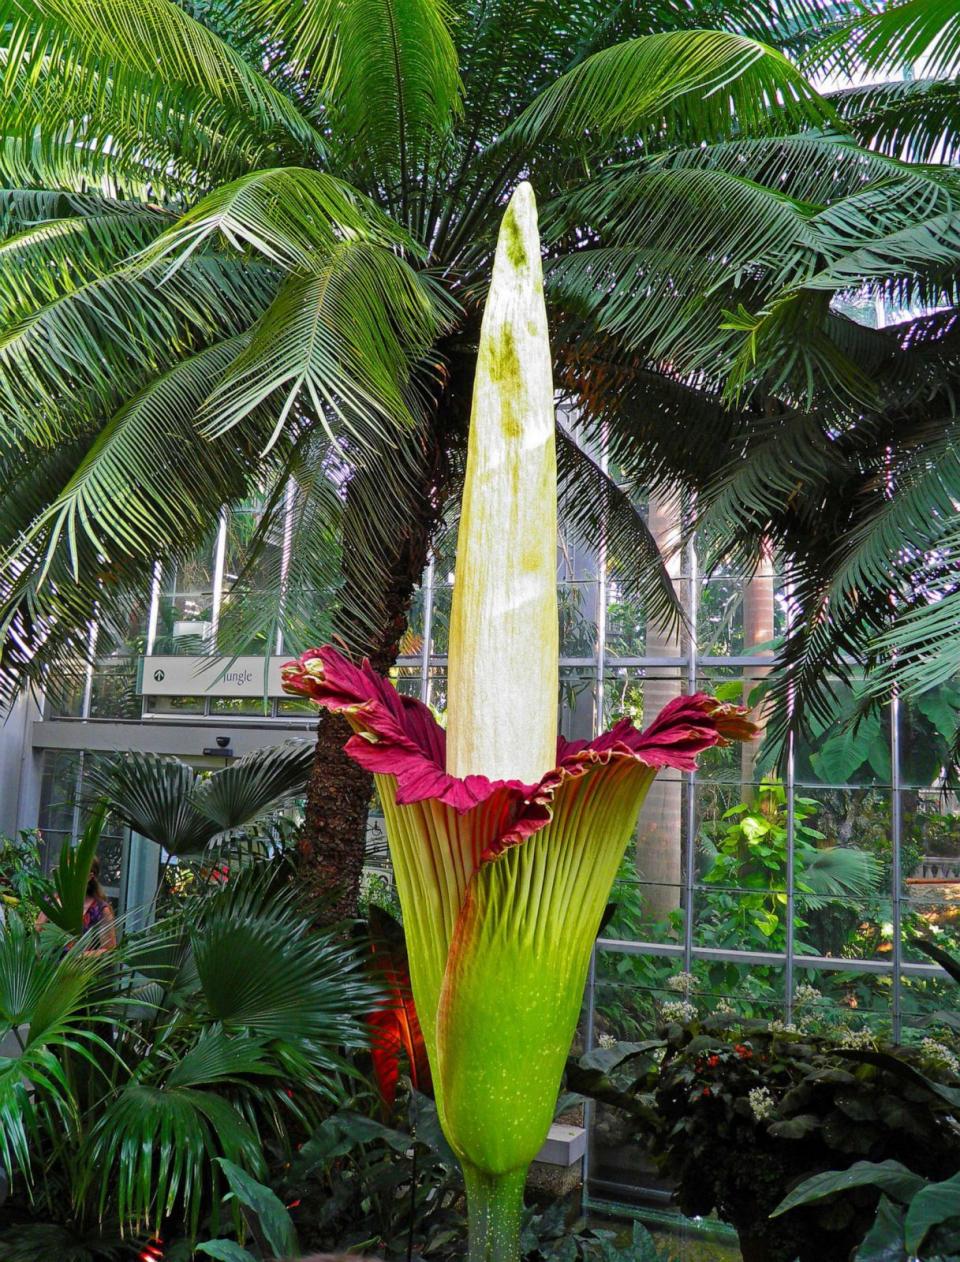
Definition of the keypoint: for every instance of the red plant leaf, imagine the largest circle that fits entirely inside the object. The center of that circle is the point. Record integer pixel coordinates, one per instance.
(395, 1028)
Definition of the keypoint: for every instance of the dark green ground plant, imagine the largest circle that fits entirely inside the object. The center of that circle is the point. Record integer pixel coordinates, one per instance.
(737, 1112)
(916, 1218)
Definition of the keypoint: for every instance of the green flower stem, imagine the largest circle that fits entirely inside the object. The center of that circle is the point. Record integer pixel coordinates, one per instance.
(495, 1208)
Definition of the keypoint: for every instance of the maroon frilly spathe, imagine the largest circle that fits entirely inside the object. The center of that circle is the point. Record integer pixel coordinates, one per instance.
(397, 736)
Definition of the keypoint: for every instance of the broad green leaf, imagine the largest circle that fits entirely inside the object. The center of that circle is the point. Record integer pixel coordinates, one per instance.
(889, 1176)
(884, 1241)
(274, 1219)
(225, 1251)
(933, 1205)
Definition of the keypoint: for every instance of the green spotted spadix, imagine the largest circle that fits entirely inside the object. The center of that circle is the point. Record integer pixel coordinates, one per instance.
(505, 841)
(504, 638)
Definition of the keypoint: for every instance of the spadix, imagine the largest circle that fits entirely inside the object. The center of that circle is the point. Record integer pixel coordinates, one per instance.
(503, 671)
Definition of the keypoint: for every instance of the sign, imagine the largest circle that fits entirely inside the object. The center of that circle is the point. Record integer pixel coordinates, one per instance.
(210, 676)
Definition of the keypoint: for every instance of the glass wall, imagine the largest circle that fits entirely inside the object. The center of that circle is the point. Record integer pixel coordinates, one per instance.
(785, 892)
(790, 893)
(128, 863)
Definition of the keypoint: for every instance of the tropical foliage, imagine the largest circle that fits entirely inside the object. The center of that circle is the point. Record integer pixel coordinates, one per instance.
(150, 1079)
(247, 224)
(736, 1112)
(246, 246)
(185, 811)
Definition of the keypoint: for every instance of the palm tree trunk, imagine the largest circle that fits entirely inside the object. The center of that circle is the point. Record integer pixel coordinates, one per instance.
(332, 842)
(387, 527)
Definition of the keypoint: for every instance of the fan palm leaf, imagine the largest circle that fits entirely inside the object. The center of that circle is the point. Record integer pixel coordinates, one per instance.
(839, 873)
(165, 800)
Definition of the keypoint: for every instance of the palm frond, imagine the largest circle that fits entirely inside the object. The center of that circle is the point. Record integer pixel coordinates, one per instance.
(219, 1057)
(691, 85)
(146, 34)
(815, 168)
(605, 516)
(839, 873)
(80, 353)
(263, 968)
(385, 70)
(288, 215)
(678, 246)
(165, 800)
(49, 999)
(42, 261)
(341, 340)
(913, 512)
(922, 33)
(147, 475)
(917, 120)
(72, 111)
(154, 797)
(255, 784)
(921, 650)
(154, 1150)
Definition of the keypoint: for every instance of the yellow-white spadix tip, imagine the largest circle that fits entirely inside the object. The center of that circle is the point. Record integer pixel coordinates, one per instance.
(503, 661)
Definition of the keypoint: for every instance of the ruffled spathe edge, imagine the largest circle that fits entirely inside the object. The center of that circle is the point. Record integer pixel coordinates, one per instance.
(397, 735)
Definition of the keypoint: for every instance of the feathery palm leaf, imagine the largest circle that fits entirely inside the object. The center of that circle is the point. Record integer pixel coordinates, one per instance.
(887, 40)
(697, 85)
(343, 338)
(385, 72)
(916, 119)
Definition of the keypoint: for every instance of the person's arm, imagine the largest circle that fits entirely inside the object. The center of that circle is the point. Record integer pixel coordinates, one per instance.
(108, 929)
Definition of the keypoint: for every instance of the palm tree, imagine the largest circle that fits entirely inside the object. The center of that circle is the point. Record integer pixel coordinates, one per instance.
(245, 245)
(843, 456)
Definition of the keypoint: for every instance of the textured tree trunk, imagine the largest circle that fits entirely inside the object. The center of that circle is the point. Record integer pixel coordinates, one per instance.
(659, 847)
(387, 527)
(334, 831)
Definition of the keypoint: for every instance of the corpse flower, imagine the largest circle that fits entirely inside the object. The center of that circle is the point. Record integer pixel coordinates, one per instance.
(505, 840)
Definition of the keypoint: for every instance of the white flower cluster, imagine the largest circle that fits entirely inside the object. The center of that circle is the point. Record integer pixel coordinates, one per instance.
(762, 1103)
(682, 981)
(781, 1027)
(606, 1041)
(805, 993)
(856, 1040)
(679, 1010)
(941, 1055)
(725, 1008)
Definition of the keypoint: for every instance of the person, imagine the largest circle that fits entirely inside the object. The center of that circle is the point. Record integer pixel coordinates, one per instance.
(97, 911)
